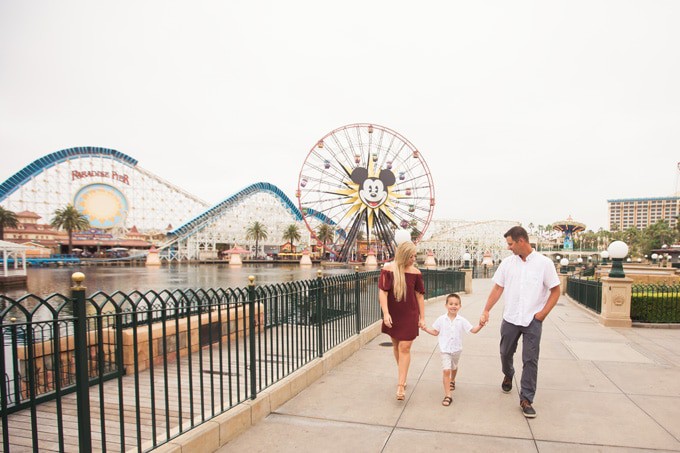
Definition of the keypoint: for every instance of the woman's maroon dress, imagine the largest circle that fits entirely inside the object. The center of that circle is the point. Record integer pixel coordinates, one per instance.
(405, 314)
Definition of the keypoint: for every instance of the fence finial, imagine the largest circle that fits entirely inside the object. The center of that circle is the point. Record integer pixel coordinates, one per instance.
(251, 280)
(78, 278)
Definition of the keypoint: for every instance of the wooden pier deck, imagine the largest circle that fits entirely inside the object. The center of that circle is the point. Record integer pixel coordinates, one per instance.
(181, 395)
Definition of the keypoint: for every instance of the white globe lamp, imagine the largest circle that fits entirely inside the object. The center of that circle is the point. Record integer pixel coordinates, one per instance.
(564, 265)
(401, 236)
(618, 250)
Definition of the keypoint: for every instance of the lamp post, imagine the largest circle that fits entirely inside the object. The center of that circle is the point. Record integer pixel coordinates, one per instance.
(605, 255)
(618, 251)
(564, 265)
(579, 261)
(654, 258)
(466, 260)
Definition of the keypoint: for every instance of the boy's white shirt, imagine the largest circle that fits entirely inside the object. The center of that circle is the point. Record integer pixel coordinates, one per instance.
(451, 332)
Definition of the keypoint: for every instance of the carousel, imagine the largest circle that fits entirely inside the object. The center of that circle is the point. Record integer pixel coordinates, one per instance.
(568, 228)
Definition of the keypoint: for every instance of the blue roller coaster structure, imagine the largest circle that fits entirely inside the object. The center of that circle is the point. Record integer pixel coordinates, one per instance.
(49, 183)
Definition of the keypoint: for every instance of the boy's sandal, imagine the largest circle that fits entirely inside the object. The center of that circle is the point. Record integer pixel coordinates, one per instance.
(447, 401)
(452, 386)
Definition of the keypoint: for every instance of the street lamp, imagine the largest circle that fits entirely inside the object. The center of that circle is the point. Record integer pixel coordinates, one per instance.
(604, 255)
(618, 251)
(654, 258)
(466, 259)
(579, 261)
(564, 265)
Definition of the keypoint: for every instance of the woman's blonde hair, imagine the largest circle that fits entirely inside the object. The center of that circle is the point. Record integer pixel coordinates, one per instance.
(401, 260)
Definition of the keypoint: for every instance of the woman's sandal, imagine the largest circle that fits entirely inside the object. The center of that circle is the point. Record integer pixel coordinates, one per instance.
(447, 401)
(400, 392)
(452, 386)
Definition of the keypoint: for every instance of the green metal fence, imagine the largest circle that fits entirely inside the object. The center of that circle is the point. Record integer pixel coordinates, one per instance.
(655, 303)
(586, 292)
(134, 370)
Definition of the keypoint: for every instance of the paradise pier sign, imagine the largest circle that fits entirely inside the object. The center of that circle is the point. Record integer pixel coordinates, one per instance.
(76, 174)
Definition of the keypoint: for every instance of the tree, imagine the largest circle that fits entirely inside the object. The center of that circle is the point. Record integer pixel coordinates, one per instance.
(69, 219)
(656, 235)
(8, 219)
(256, 231)
(325, 234)
(292, 234)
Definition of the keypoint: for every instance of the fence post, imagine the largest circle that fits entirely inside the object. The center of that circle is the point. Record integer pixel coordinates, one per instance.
(468, 280)
(616, 300)
(319, 316)
(357, 301)
(251, 333)
(81, 359)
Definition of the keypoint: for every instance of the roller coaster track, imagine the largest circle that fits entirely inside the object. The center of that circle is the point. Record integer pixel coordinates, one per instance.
(14, 182)
(189, 228)
(204, 219)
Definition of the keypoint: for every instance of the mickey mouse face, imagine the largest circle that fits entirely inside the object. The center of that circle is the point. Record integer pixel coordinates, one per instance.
(373, 193)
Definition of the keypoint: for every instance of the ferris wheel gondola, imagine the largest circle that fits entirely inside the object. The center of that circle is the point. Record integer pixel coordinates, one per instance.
(365, 179)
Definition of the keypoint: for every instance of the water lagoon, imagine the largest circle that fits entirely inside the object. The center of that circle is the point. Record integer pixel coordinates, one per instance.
(45, 281)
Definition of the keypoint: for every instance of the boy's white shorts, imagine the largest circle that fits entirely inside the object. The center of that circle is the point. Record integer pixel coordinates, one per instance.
(450, 360)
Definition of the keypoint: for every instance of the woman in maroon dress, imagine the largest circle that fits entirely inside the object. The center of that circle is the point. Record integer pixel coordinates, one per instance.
(402, 301)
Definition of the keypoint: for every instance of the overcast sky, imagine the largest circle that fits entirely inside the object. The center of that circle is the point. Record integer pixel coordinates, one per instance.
(523, 110)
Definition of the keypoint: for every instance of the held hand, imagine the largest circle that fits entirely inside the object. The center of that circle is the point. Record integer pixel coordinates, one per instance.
(387, 319)
(484, 319)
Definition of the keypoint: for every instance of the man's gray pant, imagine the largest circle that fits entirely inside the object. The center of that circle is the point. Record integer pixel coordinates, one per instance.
(531, 341)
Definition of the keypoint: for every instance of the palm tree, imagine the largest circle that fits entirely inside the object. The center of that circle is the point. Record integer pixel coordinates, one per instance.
(325, 233)
(8, 219)
(256, 231)
(292, 234)
(69, 219)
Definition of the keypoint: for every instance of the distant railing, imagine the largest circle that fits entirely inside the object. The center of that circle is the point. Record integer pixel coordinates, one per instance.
(481, 271)
(586, 292)
(156, 364)
(655, 303)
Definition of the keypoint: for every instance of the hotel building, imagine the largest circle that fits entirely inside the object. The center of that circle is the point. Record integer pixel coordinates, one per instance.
(642, 212)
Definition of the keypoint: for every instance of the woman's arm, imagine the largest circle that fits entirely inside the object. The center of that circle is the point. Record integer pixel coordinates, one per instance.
(433, 332)
(421, 307)
(382, 297)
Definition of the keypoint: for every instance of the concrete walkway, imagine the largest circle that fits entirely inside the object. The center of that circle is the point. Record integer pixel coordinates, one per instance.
(599, 389)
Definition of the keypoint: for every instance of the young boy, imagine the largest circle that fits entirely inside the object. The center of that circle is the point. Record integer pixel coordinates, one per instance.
(450, 327)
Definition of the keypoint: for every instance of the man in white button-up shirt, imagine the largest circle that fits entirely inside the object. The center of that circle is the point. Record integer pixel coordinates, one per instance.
(530, 287)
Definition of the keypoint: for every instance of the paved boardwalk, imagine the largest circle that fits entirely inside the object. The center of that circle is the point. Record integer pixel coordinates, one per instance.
(599, 389)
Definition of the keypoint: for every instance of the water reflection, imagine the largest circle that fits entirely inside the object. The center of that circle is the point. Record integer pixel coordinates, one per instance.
(45, 281)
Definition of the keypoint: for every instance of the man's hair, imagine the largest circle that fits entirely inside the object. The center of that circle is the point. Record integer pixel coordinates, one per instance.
(455, 296)
(517, 232)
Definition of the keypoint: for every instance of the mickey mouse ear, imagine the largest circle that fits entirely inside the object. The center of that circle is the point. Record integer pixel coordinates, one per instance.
(401, 236)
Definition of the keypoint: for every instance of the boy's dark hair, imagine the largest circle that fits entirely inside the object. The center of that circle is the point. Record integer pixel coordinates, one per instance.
(517, 232)
(455, 296)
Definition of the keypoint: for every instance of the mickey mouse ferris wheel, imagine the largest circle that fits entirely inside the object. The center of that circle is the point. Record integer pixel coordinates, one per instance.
(365, 181)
